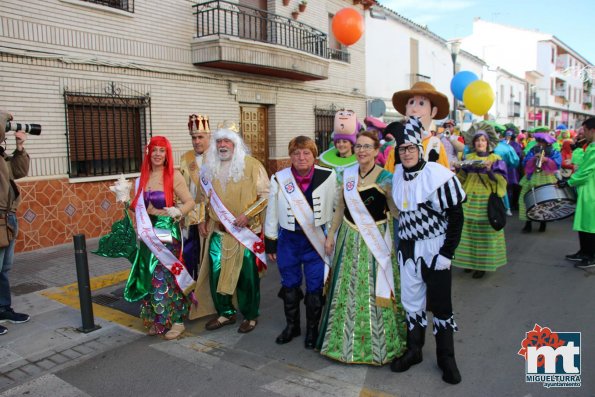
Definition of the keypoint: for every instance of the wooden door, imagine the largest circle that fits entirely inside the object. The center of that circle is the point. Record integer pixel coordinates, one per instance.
(254, 131)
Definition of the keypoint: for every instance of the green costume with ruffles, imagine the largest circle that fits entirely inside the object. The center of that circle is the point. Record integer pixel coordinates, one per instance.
(354, 329)
(164, 303)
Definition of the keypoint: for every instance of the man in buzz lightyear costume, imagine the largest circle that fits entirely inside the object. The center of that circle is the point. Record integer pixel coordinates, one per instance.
(345, 130)
(190, 164)
(235, 190)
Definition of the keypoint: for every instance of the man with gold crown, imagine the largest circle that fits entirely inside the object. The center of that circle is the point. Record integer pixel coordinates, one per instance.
(424, 102)
(190, 164)
(235, 190)
(429, 198)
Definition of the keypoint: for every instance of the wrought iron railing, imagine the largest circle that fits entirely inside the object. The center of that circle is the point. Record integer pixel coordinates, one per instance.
(323, 128)
(339, 55)
(105, 131)
(126, 5)
(223, 18)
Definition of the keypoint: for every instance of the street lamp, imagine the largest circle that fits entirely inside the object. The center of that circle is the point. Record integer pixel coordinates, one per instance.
(455, 48)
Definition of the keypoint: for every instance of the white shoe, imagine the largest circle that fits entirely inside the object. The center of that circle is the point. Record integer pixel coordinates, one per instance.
(509, 212)
(176, 330)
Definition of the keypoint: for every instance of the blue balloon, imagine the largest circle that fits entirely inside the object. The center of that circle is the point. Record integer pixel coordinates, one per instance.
(460, 81)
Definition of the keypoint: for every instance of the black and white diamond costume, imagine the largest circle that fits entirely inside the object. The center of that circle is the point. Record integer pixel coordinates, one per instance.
(429, 198)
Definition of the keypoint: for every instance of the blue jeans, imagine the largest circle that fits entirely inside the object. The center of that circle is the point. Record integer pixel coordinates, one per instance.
(6, 260)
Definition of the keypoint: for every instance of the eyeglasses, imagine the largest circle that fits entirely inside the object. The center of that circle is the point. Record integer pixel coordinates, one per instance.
(367, 147)
(407, 149)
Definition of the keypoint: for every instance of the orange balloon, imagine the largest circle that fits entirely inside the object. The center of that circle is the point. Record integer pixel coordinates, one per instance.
(348, 26)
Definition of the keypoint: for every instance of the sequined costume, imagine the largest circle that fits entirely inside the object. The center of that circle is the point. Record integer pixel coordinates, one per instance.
(163, 303)
(355, 328)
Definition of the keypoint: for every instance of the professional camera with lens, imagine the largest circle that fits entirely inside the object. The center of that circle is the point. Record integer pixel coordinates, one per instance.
(33, 129)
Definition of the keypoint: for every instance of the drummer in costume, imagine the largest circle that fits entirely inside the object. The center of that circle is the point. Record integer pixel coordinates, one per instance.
(424, 102)
(341, 156)
(235, 186)
(482, 248)
(429, 198)
(541, 163)
(363, 321)
(158, 276)
(190, 163)
(298, 215)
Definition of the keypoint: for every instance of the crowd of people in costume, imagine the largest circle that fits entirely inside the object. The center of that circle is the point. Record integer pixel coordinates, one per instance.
(373, 231)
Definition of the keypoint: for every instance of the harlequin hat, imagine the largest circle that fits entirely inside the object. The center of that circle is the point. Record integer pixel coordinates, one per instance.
(411, 132)
(427, 90)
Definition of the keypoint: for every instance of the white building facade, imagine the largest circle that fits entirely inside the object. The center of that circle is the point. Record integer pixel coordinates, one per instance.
(103, 76)
(558, 79)
(400, 52)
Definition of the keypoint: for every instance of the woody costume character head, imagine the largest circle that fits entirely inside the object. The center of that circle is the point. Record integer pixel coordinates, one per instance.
(423, 101)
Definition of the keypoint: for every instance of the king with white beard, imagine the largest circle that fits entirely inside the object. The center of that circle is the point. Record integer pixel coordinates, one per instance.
(234, 189)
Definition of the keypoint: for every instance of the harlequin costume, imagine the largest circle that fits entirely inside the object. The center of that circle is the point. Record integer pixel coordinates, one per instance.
(230, 267)
(481, 248)
(429, 198)
(536, 175)
(297, 235)
(190, 164)
(359, 326)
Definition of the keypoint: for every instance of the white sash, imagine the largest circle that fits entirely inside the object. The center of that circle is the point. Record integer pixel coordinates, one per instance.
(379, 247)
(244, 235)
(303, 214)
(146, 233)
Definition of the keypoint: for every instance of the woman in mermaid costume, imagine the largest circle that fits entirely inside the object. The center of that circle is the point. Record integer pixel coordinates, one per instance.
(158, 276)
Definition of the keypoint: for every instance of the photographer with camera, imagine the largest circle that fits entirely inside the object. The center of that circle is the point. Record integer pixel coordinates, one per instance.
(11, 168)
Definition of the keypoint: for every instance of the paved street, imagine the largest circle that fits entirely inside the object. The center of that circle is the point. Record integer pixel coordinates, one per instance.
(48, 357)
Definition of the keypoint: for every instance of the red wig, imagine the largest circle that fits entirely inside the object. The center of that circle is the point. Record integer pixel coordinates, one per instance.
(168, 171)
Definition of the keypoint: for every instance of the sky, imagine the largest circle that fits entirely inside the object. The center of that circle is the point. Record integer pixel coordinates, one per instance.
(571, 21)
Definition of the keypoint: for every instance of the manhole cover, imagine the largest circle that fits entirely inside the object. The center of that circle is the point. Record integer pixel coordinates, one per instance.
(105, 300)
(26, 288)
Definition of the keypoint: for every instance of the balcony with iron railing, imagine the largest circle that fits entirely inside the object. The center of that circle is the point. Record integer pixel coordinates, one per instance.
(245, 39)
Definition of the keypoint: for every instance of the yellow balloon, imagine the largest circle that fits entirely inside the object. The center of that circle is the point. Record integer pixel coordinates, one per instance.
(478, 97)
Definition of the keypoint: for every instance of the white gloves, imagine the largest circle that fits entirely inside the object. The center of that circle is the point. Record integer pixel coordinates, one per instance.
(442, 263)
(173, 212)
(122, 189)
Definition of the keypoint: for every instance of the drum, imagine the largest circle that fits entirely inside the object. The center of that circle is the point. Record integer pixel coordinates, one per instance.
(548, 203)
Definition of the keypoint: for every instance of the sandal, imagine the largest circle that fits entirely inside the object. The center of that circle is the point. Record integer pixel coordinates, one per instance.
(176, 330)
(247, 326)
(152, 330)
(217, 323)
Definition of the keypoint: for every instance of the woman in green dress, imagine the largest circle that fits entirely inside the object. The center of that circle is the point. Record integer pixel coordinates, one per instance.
(158, 277)
(363, 322)
(481, 248)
